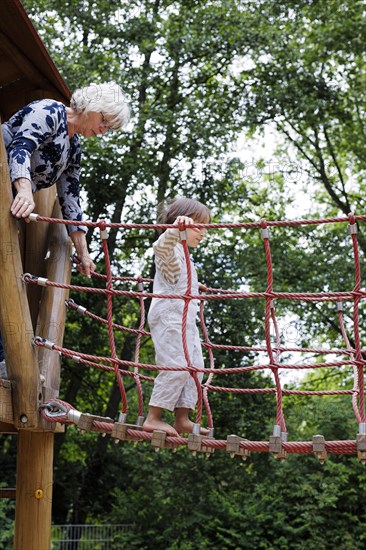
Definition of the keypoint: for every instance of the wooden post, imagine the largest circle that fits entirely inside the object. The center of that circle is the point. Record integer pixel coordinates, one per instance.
(15, 321)
(36, 242)
(35, 450)
(33, 491)
(52, 311)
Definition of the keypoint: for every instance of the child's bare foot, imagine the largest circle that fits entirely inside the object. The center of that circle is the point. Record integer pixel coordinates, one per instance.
(186, 427)
(151, 425)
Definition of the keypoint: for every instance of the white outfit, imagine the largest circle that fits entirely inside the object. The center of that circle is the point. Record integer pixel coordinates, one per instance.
(173, 389)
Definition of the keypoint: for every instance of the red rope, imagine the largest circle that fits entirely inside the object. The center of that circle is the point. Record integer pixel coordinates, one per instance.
(205, 385)
(137, 353)
(280, 421)
(274, 350)
(72, 305)
(222, 371)
(184, 329)
(110, 321)
(305, 296)
(245, 225)
(49, 413)
(356, 330)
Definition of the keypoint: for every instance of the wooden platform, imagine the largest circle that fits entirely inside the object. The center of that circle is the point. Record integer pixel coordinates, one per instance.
(6, 414)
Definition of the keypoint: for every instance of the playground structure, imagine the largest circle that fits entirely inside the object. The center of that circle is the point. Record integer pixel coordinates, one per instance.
(36, 438)
(28, 73)
(33, 292)
(278, 444)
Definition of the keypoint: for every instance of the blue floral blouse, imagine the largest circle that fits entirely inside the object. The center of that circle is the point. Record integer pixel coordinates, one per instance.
(40, 150)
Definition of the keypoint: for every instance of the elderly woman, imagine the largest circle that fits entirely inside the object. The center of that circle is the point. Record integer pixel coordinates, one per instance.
(43, 147)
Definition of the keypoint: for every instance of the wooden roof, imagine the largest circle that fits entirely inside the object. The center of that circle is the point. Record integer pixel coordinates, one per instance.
(27, 72)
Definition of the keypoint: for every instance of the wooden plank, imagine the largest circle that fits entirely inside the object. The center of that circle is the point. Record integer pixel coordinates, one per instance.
(36, 245)
(19, 59)
(52, 310)
(25, 51)
(8, 492)
(6, 428)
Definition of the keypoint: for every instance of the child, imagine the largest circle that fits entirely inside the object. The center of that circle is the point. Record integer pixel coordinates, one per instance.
(175, 390)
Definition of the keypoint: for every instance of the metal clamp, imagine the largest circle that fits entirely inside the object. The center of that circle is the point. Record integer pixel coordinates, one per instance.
(28, 277)
(103, 234)
(352, 229)
(42, 342)
(74, 416)
(275, 443)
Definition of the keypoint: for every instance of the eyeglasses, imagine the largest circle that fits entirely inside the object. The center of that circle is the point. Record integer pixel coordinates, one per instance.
(106, 124)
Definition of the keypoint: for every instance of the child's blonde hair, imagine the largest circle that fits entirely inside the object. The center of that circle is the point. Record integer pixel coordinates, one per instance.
(180, 206)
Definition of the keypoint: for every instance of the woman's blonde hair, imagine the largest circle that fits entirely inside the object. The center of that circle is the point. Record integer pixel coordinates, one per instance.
(179, 206)
(107, 98)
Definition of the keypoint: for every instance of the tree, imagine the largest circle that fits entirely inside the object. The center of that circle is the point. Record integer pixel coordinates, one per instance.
(308, 72)
(198, 73)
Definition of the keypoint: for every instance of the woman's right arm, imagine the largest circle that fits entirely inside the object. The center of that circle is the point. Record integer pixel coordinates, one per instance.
(23, 204)
(39, 122)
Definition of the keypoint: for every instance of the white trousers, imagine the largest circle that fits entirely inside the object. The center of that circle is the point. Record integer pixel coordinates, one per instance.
(174, 389)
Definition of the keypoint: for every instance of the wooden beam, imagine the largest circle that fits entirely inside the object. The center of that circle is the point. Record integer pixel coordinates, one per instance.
(36, 243)
(6, 428)
(18, 58)
(8, 492)
(52, 311)
(34, 491)
(15, 321)
(35, 449)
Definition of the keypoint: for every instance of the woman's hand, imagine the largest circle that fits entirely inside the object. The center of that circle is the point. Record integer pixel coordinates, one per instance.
(87, 265)
(23, 204)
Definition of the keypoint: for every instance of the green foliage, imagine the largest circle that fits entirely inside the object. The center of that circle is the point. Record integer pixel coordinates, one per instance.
(306, 76)
(198, 75)
(7, 523)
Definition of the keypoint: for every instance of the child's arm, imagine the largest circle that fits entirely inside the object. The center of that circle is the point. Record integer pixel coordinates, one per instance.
(166, 259)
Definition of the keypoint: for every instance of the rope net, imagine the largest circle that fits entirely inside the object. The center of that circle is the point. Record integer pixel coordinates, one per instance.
(278, 444)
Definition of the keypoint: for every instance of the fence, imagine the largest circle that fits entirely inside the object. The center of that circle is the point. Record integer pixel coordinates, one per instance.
(86, 537)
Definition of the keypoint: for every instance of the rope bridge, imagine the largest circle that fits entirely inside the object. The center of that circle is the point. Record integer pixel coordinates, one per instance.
(57, 410)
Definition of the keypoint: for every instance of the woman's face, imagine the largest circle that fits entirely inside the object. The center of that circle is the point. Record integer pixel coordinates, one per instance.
(92, 124)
